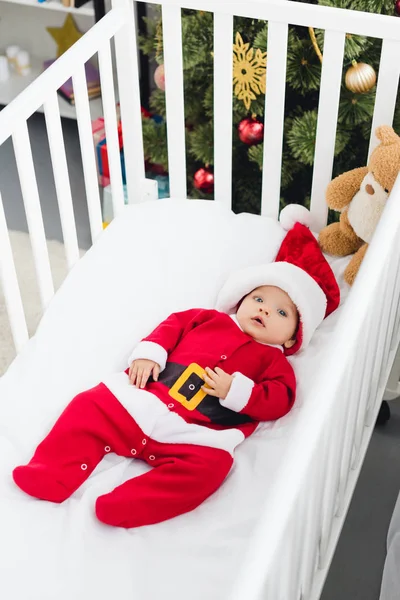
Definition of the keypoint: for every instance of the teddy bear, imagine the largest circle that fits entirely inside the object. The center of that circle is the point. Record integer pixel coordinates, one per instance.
(360, 195)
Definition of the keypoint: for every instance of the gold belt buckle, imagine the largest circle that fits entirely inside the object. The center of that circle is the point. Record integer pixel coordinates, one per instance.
(198, 397)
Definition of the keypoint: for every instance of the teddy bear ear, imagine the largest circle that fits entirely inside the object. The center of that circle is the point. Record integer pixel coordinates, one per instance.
(387, 135)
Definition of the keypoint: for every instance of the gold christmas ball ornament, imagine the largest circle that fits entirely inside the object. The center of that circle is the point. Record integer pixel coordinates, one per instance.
(360, 78)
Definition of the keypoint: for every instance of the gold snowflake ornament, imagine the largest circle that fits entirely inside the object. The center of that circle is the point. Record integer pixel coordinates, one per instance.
(249, 71)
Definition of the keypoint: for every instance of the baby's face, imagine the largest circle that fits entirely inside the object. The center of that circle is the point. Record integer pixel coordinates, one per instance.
(269, 316)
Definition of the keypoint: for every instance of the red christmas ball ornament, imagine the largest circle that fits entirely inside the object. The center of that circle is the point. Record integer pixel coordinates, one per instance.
(203, 180)
(251, 131)
(397, 7)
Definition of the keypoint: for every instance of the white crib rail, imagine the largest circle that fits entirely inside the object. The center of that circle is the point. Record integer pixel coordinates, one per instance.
(26, 103)
(88, 156)
(274, 116)
(130, 103)
(172, 36)
(321, 471)
(119, 25)
(327, 120)
(386, 91)
(61, 178)
(289, 556)
(9, 283)
(30, 195)
(223, 34)
(336, 23)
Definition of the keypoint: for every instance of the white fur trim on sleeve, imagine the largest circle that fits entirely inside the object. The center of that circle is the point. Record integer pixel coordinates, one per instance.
(239, 394)
(150, 351)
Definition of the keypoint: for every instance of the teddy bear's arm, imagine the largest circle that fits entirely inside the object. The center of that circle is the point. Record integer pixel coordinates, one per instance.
(342, 189)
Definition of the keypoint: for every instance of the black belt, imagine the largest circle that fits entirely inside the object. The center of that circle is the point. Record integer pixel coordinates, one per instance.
(209, 406)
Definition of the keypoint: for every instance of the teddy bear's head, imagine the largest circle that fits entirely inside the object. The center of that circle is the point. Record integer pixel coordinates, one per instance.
(361, 195)
(366, 206)
(384, 163)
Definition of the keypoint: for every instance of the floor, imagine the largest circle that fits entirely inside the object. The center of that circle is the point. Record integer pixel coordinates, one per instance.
(357, 566)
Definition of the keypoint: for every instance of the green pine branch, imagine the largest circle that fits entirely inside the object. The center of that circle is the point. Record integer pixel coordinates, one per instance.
(375, 6)
(151, 44)
(155, 142)
(301, 104)
(396, 121)
(157, 103)
(302, 135)
(261, 39)
(355, 109)
(197, 40)
(200, 142)
(303, 65)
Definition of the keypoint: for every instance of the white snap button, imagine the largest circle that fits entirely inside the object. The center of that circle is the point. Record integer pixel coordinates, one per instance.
(223, 356)
(152, 457)
(107, 449)
(133, 451)
(170, 405)
(191, 387)
(83, 467)
(144, 442)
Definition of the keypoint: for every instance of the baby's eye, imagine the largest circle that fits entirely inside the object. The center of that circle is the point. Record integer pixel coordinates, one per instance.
(258, 299)
(386, 190)
(282, 313)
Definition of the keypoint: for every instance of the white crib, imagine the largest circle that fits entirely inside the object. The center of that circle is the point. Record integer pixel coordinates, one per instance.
(295, 540)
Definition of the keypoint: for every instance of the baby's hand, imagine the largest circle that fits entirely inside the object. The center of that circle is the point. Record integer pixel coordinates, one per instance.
(141, 369)
(218, 382)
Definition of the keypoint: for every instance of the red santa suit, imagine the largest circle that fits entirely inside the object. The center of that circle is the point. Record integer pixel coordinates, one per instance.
(187, 435)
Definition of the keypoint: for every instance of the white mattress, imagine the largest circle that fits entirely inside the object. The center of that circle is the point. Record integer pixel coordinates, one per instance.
(157, 258)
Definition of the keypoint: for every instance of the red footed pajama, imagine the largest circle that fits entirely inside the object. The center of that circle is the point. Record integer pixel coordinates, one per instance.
(94, 424)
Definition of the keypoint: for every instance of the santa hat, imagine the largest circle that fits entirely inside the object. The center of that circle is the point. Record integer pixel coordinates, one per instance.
(300, 269)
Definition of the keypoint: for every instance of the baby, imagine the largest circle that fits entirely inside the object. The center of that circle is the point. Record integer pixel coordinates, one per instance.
(202, 381)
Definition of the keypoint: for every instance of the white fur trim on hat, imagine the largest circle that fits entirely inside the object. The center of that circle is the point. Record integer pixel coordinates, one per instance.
(303, 290)
(149, 351)
(295, 213)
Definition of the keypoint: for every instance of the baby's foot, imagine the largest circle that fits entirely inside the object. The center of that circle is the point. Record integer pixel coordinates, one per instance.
(41, 481)
(117, 510)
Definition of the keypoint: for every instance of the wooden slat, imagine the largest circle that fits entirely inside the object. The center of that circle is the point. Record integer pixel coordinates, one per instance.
(87, 149)
(111, 126)
(10, 287)
(274, 116)
(130, 104)
(61, 178)
(386, 90)
(327, 123)
(174, 97)
(223, 36)
(30, 195)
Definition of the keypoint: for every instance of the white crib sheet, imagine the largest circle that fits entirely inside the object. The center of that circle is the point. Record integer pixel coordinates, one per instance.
(132, 278)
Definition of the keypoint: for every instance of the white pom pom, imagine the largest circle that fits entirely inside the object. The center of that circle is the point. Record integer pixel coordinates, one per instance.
(294, 213)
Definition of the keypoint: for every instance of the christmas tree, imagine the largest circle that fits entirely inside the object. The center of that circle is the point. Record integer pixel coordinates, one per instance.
(305, 49)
